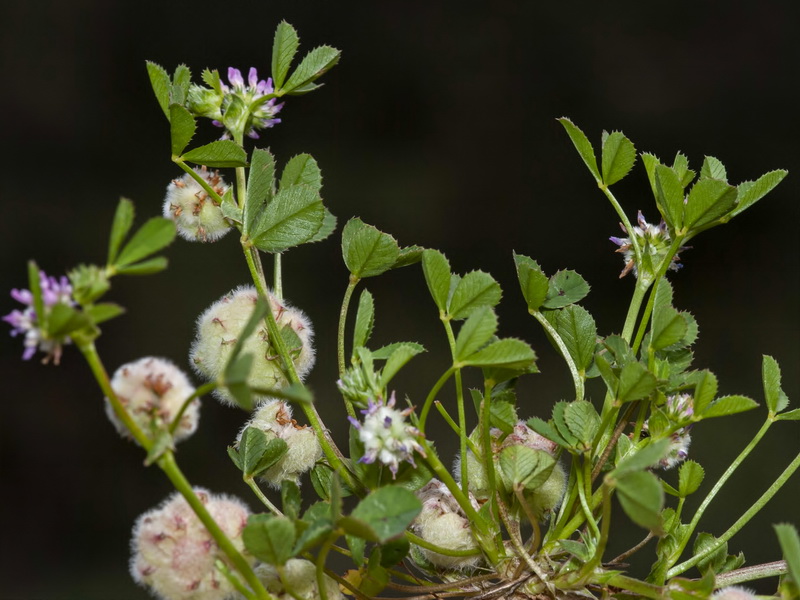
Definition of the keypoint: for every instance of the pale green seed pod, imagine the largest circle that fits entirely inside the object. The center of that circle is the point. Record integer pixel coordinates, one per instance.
(303, 450)
(197, 216)
(175, 556)
(442, 522)
(219, 327)
(153, 391)
(301, 576)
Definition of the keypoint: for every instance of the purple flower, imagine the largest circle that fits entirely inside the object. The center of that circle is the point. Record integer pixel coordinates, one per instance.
(653, 241)
(386, 436)
(27, 322)
(253, 94)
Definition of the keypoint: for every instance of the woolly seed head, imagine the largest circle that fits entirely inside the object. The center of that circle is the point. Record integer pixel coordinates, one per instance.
(153, 391)
(219, 327)
(173, 553)
(733, 593)
(197, 216)
(442, 522)
(301, 576)
(303, 450)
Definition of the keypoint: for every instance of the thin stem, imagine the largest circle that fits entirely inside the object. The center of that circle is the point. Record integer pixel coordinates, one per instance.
(741, 522)
(454, 426)
(201, 391)
(323, 554)
(423, 414)
(646, 590)
(577, 376)
(486, 438)
(587, 511)
(632, 551)
(633, 310)
(605, 525)
(340, 350)
(200, 180)
(170, 467)
(89, 352)
(234, 580)
(613, 441)
(516, 542)
(414, 539)
(462, 417)
(762, 571)
(277, 276)
(260, 495)
(637, 251)
(715, 490)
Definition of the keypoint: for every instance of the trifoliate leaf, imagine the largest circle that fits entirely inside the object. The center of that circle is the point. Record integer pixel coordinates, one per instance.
(260, 183)
(509, 353)
(582, 420)
(292, 218)
(161, 83)
(365, 319)
(619, 155)
(222, 153)
(641, 459)
(120, 226)
(532, 281)
(269, 538)
(582, 145)
(388, 511)
(690, 476)
(705, 391)
(729, 405)
(181, 80)
(708, 201)
(669, 196)
(771, 376)
(544, 428)
(525, 467)
(751, 192)
(565, 288)
(668, 327)
(284, 47)
(436, 269)
(578, 331)
(650, 162)
(475, 290)
(182, 127)
(154, 235)
(642, 499)
(476, 332)
(559, 408)
(302, 169)
(367, 251)
(713, 169)
(326, 229)
(311, 68)
(635, 382)
(681, 167)
(402, 353)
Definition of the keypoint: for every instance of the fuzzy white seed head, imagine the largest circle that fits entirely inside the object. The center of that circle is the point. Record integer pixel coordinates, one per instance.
(219, 327)
(153, 391)
(442, 522)
(175, 556)
(734, 593)
(303, 450)
(197, 216)
(301, 576)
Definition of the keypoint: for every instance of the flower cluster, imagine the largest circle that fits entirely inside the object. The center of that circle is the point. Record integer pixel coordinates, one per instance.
(654, 241)
(386, 436)
(239, 107)
(175, 556)
(32, 325)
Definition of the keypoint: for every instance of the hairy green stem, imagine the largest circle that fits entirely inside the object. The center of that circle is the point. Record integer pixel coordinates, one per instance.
(646, 590)
(772, 569)
(577, 376)
(340, 350)
(251, 483)
(200, 180)
(486, 439)
(277, 276)
(741, 522)
(462, 418)
(637, 250)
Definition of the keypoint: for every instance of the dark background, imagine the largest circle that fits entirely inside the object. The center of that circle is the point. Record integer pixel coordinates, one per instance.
(439, 127)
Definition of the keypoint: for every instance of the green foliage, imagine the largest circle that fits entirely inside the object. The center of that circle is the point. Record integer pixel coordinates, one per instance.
(473, 291)
(642, 498)
(367, 252)
(284, 47)
(384, 514)
(270, 538)
(583, 146)
(221, 154)
(619, 155)
(314, 64)
(565, 288)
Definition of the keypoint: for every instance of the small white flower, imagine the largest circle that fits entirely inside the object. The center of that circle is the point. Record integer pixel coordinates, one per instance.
(386, 436)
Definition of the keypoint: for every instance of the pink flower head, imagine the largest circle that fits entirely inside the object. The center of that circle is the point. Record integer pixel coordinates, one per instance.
(27, 322)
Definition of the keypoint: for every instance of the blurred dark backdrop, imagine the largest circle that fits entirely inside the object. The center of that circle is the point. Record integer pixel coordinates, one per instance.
(439, 127)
